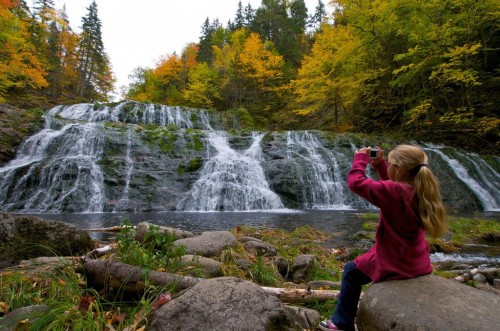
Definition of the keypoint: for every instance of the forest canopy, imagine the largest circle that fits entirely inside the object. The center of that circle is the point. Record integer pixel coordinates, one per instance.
(427, 69)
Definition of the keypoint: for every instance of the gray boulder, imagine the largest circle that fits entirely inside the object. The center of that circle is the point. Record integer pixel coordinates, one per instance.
(227, 303)
(208, 244)
(24, 237)
(260, 248)
(212, 267)
(427, 303)
(302, 266)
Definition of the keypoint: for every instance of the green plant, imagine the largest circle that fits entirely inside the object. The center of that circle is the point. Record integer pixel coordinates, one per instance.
(157, 250)
(263, 273)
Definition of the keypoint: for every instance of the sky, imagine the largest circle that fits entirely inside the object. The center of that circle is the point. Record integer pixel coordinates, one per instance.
(136, 33)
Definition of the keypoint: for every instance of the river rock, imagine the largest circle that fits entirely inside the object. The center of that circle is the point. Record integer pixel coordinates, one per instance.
(143, 227)
(302, 266)
(226, 303)
(426, 303)
(211, 266)
(24, 237)
(208, 244)
(490, 274)
(479, 278)
(260, 248)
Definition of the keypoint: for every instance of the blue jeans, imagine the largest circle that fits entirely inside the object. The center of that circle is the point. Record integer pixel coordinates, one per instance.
(350, 291)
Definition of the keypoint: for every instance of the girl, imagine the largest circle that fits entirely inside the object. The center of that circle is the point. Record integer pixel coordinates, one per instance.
(410, 204)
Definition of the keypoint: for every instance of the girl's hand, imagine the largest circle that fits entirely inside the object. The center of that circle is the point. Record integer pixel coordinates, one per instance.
(362, 150)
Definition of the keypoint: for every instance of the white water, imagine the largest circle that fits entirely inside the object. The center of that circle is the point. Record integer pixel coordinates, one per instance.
(486, 197)
(322, 182)
(58, 168)
(136, 113)
(123, 203)
(67, 172)
(231, 180)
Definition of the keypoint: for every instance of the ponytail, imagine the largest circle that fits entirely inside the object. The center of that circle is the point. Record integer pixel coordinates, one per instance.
(430, 204)
(413, 160)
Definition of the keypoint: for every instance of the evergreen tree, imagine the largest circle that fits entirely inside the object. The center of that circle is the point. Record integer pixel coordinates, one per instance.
(205, 52)
(249, 15)
(239, 21)
(283, 23)
(317, 18)
(96, 79)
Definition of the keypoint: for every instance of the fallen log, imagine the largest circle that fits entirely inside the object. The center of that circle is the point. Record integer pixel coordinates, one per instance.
(119, 275)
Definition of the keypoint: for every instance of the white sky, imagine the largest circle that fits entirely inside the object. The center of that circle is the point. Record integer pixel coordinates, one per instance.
(136, 33)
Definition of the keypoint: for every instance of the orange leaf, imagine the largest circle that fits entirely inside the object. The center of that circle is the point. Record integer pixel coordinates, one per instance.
(161, 299)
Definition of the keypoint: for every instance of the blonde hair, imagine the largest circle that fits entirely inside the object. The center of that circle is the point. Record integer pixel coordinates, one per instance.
(413, 161)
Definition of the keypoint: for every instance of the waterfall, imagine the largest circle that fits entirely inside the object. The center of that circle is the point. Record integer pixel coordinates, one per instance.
(56, 171)
(123, 203)
(136, 113)
(133, 156)
(323, 184)
(231, 180)
(484, 182)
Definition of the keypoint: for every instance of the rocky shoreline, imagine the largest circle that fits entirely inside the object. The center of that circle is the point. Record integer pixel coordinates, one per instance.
(204, 251)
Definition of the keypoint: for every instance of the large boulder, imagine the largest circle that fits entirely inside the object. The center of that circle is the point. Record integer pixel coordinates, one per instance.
(24, 237)
(229, 303)
(427, 303)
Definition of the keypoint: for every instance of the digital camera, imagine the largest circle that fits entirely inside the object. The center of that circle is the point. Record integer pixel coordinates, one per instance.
(374, 153)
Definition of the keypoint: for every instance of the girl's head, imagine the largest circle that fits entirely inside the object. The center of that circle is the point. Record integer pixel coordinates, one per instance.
(408, 163)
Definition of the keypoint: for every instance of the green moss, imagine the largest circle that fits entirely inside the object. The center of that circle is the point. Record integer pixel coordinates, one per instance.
(466, 230)
(191, 166)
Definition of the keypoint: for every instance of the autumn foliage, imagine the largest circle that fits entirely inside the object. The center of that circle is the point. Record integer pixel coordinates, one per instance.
(429, 69)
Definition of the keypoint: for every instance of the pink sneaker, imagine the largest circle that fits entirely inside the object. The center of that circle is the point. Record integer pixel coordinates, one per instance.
(328, 325)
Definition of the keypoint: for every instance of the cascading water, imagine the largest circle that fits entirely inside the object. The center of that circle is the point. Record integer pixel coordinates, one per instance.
(143, 157)
(56, 171)
(231, 180)
(483, 181)
(319, 172)
(123, 203)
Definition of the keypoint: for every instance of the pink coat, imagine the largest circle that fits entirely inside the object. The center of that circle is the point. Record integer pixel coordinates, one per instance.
(401, 249)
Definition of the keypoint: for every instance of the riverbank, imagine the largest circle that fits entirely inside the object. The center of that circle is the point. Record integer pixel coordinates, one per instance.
(270, 258)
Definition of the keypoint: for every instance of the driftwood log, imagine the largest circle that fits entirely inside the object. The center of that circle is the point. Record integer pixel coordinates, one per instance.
(109, 273)
(119, 275)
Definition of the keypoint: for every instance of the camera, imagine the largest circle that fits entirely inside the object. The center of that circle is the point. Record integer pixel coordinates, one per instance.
(374, 153)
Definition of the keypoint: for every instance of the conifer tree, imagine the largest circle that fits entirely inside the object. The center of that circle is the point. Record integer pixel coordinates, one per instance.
(205, 53)
(96, 79)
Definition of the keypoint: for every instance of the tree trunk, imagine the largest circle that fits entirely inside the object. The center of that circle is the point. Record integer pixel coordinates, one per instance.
(108, 273)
